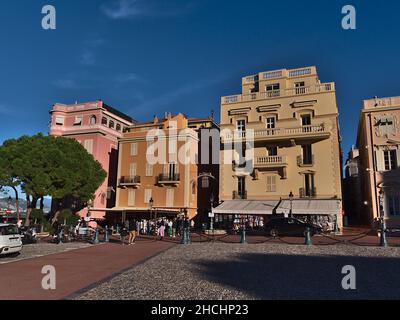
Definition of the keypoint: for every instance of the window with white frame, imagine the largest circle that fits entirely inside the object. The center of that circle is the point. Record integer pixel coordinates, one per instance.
(131, 197)
(271, 183)
(241, 125)
(170, 198)
(270, 122)
(134, 149)
(133, 169)
(59, 121)
(78, 121)
(149, 170)
(390, 157)
(393, 204)
(147, 195)
(273, 90)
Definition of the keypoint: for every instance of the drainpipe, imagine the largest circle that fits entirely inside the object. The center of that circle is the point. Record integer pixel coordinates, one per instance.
(373, 161)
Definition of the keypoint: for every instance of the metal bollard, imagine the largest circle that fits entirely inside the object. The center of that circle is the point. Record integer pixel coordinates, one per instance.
(308, 241)
(96, 237)
(383, 241)
(106, 237)
(243, 236)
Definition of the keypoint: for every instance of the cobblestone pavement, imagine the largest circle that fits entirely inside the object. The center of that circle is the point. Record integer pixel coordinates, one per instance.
(42, 249)
(215, 271)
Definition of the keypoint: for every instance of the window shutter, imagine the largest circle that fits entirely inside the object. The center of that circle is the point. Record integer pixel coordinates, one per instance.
(134, 149)
(131, 197)
(380, 160)
(149, 170)
(133, 169)
(170, 198)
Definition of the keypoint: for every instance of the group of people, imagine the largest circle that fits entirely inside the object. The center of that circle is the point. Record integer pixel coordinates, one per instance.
(160, 228)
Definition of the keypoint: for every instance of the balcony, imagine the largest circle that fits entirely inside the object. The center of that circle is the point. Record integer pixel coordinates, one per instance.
(312, 131)
(308, 193)
(129, 181)
(305, 161)
(168, 179)
(319, 88)
(270, 162)
(239, 195)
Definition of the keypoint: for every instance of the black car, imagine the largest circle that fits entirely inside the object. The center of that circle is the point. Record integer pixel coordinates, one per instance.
(290, 227)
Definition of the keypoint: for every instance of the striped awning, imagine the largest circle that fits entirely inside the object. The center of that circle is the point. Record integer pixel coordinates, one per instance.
(310, 206)
(247, 207)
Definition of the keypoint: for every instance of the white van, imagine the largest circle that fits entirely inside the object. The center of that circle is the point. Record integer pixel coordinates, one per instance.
(10, 239)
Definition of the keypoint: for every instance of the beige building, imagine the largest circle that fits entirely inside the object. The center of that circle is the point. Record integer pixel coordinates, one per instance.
(163, 186)
(378, 141)
(290, 119)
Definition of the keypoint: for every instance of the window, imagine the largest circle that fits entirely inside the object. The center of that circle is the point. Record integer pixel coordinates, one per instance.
(78, 121)
(118, 127)
(134, 149)
(172, 170)
(390, 159)
(270, 122)
(59, 121)
(300, 87)
(111, 124)
(93, 120)
(133, 169)
(131, 197)
(170, 198)
(147, 195)
(309, 185)
(272, 151)
(306, 120)
(241, 125)
(241, 186)
(271, 183)
(88, 145)
(307, 154)
(393, 205)
(104, 121)
(273, 90)
(149, 170)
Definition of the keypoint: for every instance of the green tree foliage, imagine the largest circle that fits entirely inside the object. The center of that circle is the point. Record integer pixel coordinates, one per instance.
(50, 166)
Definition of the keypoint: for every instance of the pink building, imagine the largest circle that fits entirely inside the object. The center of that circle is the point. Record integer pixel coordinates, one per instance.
(97, 127)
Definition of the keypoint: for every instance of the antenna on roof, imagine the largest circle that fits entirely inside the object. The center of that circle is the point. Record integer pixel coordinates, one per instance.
(212, 114)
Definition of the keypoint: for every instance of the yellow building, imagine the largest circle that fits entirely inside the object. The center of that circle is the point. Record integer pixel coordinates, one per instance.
(288, 121)
(157, 172)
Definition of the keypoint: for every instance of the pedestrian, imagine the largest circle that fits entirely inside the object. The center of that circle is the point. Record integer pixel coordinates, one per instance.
(170, 228)
(123, 233)
(174, 228)
(192, 224)
(162, 230)
(132, 232)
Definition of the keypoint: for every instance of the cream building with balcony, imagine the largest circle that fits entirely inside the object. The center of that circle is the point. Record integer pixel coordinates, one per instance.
(378, 141)
(291, 119)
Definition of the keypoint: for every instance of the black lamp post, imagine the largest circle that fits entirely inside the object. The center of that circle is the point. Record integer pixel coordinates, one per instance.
(151, 202)
(291, 196)
(211, 211)
(383, 242)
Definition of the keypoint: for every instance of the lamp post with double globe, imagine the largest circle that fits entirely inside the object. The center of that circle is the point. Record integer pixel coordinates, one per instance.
(291, 196)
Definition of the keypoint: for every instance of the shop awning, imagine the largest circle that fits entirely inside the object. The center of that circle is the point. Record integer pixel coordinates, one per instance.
(310, 206)
(247, 207)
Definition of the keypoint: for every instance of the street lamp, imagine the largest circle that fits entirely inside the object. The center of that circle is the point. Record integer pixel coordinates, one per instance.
(211, 212)
(291, 196)
(383, 242)
(151, 202)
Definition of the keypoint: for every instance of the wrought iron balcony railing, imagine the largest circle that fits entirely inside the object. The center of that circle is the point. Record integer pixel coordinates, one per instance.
(236, 195)
(129, 180)
(308, 193)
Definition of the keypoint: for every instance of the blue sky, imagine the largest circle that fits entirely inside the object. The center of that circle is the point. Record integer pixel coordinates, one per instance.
(146, 57)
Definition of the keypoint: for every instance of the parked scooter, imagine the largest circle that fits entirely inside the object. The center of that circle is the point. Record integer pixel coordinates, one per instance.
(28, 235)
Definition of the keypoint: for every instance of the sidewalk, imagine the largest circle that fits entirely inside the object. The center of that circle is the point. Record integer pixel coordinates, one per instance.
(75, 270)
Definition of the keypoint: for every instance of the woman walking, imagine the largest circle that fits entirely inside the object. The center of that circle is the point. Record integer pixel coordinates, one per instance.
(162, 230)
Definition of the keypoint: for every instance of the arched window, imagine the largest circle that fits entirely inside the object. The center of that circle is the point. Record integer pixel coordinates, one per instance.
(104, 121)
(118, 127)
(111, 124)
(93, 120)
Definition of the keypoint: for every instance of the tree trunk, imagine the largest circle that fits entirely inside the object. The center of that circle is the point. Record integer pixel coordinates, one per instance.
(28, 210)
(42, 203)
(16, 202)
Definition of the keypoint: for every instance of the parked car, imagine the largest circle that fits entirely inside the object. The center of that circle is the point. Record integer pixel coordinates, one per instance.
(10, 239)
(290, 227)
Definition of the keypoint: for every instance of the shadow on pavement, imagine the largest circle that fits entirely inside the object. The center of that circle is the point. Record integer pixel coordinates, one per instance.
(267, 276)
